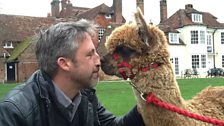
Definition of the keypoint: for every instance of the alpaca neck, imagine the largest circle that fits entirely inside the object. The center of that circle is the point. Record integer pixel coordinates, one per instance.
(162, 84)
(157, 115)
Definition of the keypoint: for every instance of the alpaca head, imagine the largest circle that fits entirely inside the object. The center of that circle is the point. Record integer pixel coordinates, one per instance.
(134, 47)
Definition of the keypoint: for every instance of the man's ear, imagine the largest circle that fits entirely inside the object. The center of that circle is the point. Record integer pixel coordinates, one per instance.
(64, 63)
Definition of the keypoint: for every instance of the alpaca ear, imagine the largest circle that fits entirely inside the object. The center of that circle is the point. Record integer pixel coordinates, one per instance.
(142, 28)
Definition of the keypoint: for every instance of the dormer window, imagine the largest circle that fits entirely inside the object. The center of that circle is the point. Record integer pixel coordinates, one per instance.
(173, 38)
(108, 16)
(8, 45)
(197, 18)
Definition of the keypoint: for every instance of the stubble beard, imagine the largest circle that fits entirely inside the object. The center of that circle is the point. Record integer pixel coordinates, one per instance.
(94, 82)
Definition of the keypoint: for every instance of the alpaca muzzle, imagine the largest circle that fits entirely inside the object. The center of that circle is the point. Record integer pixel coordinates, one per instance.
(126, 69)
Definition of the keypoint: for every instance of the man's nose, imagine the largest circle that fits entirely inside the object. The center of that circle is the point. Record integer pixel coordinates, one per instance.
(98, 63)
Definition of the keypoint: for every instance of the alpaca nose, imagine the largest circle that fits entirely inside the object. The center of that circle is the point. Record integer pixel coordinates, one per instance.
(102, 59)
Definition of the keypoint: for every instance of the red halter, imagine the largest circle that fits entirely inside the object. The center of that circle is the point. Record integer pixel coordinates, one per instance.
(123, 64)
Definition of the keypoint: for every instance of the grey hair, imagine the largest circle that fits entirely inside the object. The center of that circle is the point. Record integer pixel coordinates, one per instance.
(61, 40)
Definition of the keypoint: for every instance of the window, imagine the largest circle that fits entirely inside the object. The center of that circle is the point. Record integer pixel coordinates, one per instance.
(173, 38)
(100, 33)
(176, 65)
(209, 49)
(199, 60)
(209, 39)
(203, 61)
(197, 18)
(194, 37)
(202, 37)
(175, 62)
(222, 60)
(222, 37)
(195, 61)
(8, 45)
(108, 16)
(171, 60)
(209, 44)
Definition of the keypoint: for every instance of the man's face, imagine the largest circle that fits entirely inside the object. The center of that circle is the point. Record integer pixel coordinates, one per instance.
(85, 71)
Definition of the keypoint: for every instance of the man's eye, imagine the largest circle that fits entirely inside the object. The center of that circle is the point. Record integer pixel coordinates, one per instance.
(89, 55)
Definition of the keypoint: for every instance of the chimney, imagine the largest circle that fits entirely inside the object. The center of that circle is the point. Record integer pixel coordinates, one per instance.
(69, 9)
(117, 7)
(163, 10)
(49, 14)
(140, 4)
(55, 8)
(63, 4)
(188, 6)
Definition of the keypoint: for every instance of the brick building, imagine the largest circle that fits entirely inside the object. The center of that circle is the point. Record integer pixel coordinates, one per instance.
(17, 59)
(17, 34)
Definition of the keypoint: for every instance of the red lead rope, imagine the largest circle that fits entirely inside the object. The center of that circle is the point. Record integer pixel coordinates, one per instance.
(150, 98)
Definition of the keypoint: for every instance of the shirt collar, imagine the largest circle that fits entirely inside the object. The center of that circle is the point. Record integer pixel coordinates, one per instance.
(65, 100)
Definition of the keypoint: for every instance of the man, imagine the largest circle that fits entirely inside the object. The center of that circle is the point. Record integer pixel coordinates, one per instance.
(62, 92)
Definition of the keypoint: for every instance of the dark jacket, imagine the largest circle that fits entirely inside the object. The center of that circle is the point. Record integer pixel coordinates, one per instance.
(34, 104)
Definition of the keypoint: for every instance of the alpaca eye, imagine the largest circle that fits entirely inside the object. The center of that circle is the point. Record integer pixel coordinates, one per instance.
(125, 51)
(128, 50)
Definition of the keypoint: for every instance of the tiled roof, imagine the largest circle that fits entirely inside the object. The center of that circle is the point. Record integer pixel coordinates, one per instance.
(167, 28)
(16, 28)
(92, 13)
(19, 49)
(183, 18)
(77, 10)
(20, 28)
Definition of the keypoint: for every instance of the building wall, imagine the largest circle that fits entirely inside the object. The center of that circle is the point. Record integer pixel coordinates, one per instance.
(179, 51)
(27, 64)
(2, 70)
(196, 49)
(25, 70)
(219, 48)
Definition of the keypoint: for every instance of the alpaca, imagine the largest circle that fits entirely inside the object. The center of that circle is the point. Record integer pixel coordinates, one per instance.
(139, 51)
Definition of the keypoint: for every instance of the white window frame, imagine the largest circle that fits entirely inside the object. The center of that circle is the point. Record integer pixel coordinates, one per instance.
(209, 44)
(175, 63)
(174, 38)
(199, 61)
(194, 37)
(223, 61)
(195, 61)
(202, 37)
(222, 38)
(108, 16)
(197, 18)
(8, 45)
(203, 61)
(197, 37)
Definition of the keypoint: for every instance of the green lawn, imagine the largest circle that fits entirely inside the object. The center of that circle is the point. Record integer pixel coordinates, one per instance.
(118, 97)
(4, 88)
